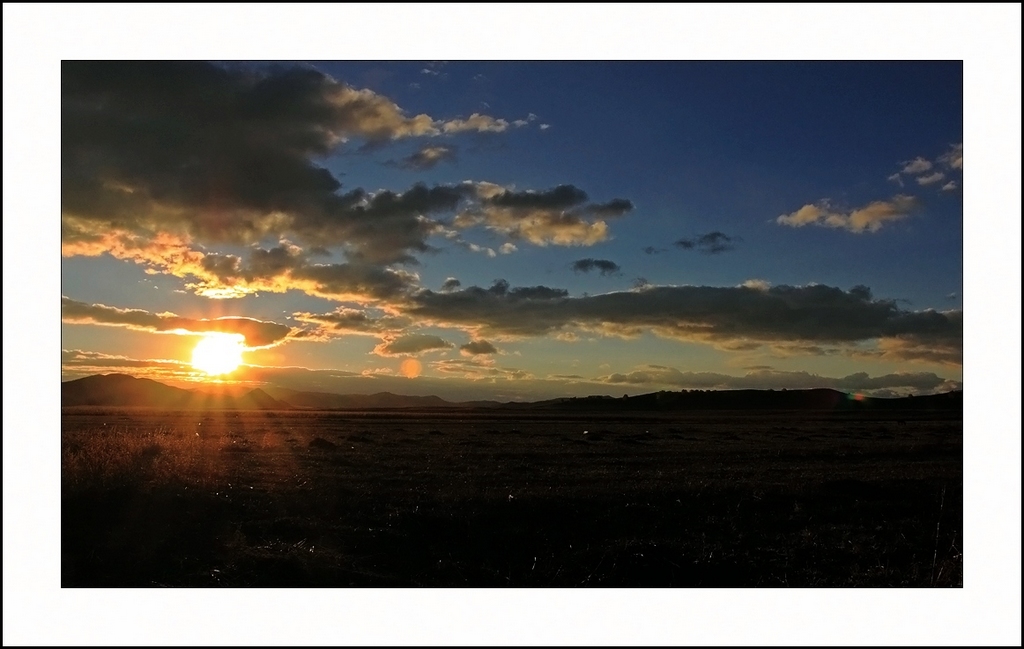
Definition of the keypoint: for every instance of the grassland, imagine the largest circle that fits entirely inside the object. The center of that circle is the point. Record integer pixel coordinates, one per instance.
(510, 499)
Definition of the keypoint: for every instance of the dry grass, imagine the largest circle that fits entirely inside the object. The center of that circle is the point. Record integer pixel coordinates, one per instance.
(507, 499)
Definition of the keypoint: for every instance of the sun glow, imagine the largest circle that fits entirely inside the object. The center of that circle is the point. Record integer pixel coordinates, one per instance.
(218, 353)
(410, 368)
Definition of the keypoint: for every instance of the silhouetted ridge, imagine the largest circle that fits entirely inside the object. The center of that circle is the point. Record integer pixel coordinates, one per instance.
(330, 401)
(121, 390)
(124, 390)
(813, 399)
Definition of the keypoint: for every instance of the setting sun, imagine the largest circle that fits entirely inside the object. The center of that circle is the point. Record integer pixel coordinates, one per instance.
(218, 353)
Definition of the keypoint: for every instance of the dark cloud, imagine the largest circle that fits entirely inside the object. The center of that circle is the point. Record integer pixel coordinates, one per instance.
(603, 265)
(352, 321)
(558, 198)
(558, 216)
(427, 157)
(285, 267)
(711, 243)
(477, 347)
(214, 154)
(256, 332)
(651, 250)
(740, 317)
(450, 284)
(411, 345)
(163, 161)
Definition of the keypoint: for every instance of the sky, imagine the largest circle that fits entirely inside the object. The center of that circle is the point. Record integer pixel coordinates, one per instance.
(516, 230)
(37, 38)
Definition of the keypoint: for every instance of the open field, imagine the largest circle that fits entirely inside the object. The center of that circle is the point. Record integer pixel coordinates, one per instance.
(510, 499)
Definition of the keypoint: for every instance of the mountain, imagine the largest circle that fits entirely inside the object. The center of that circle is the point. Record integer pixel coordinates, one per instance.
(813, 399)
(329, 401)
(123, 390)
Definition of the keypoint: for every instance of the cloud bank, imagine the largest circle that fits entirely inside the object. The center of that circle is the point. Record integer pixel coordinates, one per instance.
(742, 317)
(256, 332)
(162, 161)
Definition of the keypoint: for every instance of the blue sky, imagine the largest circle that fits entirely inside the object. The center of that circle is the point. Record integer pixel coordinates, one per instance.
(689, 225)
(986, 39)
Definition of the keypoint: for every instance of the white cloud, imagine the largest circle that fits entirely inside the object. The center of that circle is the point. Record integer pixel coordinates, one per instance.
(869, 218)
(916, 166)
(954, 158)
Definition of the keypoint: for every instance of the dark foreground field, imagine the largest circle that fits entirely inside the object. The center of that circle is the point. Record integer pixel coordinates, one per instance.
(491, 498)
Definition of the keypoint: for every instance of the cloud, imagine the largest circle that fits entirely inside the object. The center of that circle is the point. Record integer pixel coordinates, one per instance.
(870, 218)
(728, 317)
(896, 179)
(475, 122)
(916, 166)
(757, 284)
(286, 267)
(167, 163)
(77, 362)
(762, 379)
(712, 243)
(950, 186)
(476, 369)
(257, 333)
(450, 284)
(477, 347)
(558, 216)
(411, 345)
(507, 248)
(954, 158)
(651, 250)
(930, 178)
(229, 154)
(427, 157)
(604, 266)
(352, 321)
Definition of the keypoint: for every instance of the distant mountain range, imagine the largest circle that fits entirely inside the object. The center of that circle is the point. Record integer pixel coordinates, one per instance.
(124, 390)
(813, 399)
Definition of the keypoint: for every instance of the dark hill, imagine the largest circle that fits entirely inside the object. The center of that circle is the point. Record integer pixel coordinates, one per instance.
(328, 401)
(121, 390)
(124, 390)
(815, 399)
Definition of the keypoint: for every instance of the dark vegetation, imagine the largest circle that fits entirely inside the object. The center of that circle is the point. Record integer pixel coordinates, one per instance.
(511, 497)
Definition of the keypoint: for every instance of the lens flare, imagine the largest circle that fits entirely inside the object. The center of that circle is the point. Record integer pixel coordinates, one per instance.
(410, 368)
(218, 353)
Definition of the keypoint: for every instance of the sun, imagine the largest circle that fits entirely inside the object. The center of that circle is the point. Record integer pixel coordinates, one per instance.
(218, 353)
